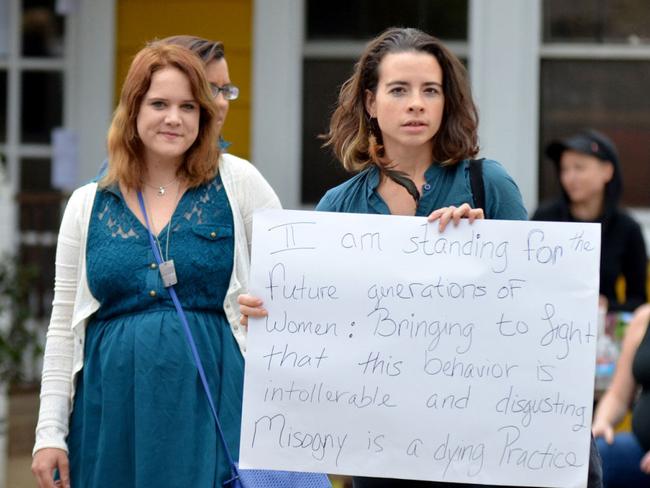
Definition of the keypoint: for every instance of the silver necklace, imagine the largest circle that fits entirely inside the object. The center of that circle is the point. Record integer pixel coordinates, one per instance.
(166, 268)
(161, 189)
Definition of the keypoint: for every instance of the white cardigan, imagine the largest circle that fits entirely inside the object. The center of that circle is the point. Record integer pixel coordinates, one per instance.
(73, 304)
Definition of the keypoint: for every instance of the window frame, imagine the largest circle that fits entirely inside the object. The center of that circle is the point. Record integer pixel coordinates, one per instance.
(87, 67)
(15, 64)
(557, 51)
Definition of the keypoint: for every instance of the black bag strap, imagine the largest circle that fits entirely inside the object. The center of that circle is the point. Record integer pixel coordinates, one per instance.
(476, 183)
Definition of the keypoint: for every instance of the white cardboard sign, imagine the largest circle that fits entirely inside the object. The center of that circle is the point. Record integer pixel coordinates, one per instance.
(392, 350)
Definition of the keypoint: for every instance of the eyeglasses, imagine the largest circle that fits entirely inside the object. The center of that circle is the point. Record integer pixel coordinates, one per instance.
(230, 92)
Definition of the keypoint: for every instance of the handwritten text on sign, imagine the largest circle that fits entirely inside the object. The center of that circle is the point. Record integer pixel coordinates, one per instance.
(392, 350)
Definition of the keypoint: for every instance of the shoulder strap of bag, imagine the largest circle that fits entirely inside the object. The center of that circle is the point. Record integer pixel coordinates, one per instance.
(234, 471)
(476, 183)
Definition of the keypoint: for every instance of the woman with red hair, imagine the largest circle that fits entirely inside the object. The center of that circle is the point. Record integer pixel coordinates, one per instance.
(121, 401)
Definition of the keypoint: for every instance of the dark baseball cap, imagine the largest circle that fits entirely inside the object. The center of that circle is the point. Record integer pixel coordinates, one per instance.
(589, 142)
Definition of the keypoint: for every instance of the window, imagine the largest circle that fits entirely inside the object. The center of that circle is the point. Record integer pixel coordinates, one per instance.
(41, 107)
(364, 19)
(604, 21)
(4, 29)
(320, 169)
(595, 71)
(578, 94)
(42, 30)
(3, 106)
(336, 33)
(33, 72)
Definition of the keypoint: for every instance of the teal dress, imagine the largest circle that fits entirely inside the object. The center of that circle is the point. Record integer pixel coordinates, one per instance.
(141, 418)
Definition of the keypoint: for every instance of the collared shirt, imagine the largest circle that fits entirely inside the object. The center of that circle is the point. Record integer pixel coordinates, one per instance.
(444, 186)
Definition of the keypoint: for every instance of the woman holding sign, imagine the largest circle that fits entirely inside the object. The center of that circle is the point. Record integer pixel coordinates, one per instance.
(115, 349)
(407, 125)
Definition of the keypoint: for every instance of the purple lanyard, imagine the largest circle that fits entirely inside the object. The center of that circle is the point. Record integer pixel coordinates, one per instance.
(190, 340)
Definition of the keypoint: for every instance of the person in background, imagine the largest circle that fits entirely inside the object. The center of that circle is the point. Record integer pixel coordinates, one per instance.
(589, 171)
(626, 455)
(121, 400)
(406, 123)
(213, 55)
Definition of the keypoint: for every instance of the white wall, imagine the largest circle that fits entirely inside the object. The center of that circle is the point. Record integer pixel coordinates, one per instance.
(504, 69)
(277, 95)
(93, 82)
(7, 224)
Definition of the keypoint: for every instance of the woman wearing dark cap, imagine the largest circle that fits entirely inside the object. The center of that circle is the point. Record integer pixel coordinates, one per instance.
(590, 175)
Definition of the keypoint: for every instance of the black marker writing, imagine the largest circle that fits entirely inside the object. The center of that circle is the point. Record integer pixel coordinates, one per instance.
(475, 246)
(549, 457)
(540, 253)
(279, 287)
(288, 237)
(292, 359)
(362, 242)
(319, 443)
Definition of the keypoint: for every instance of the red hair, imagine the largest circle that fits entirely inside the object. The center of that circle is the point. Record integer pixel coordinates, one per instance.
(125, 148)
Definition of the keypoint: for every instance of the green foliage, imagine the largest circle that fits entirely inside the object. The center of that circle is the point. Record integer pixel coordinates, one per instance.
(16, 340)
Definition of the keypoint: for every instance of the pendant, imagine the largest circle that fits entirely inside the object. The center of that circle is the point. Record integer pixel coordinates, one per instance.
(161, 191)
(168, 273)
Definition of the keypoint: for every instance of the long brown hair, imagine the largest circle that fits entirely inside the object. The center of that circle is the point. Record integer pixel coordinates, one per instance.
(125, 148)
(351, 127)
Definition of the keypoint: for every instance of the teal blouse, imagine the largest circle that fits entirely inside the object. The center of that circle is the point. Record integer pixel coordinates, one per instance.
(445, 186)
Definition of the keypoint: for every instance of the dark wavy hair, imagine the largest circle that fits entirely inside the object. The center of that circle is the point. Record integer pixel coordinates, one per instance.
(205, 49)
(351, 127)
(125, 148)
